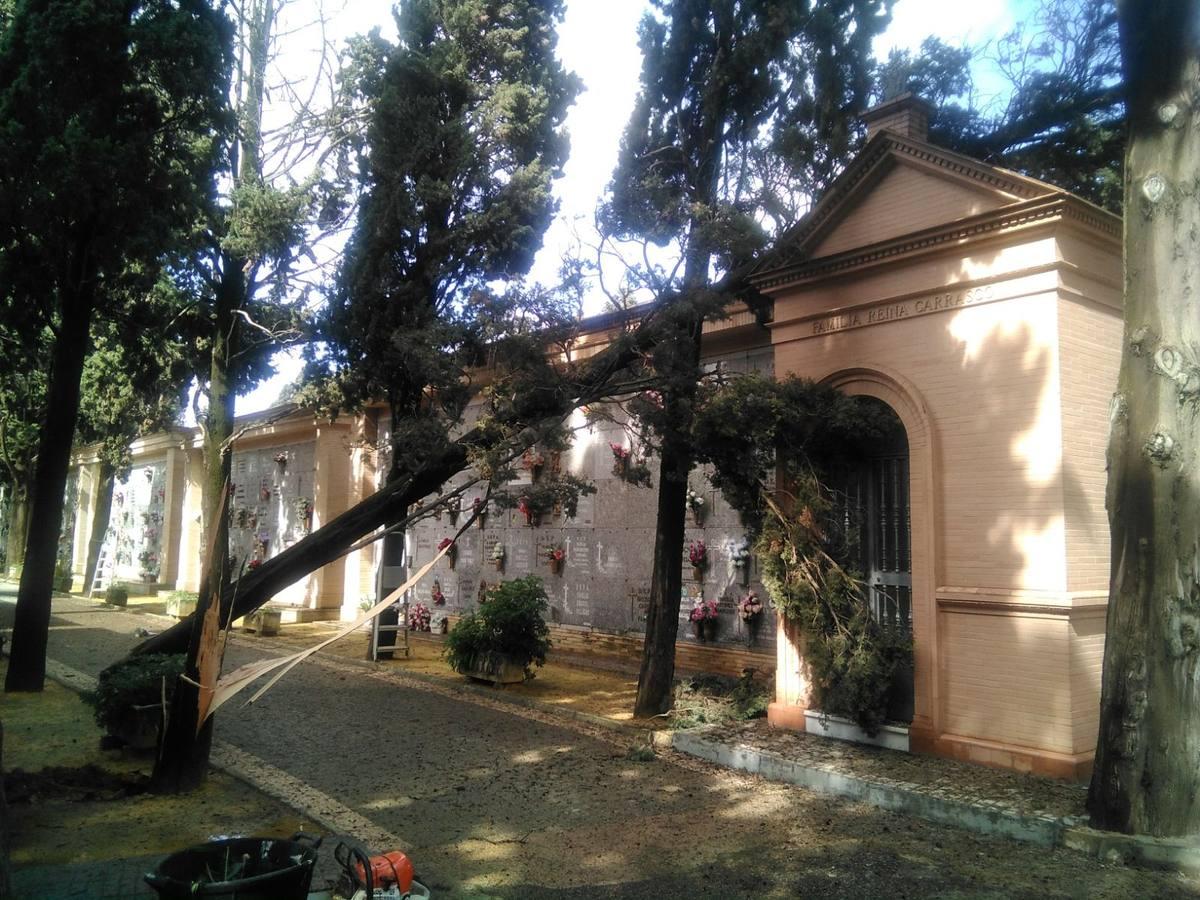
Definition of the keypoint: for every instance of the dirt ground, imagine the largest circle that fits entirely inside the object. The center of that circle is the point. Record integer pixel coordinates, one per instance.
(58, 825)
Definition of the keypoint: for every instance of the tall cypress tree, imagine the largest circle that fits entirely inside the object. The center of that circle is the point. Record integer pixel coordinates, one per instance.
(108, 117)
(723, 82)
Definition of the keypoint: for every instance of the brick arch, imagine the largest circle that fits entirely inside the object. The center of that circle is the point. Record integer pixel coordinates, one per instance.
(904, 399)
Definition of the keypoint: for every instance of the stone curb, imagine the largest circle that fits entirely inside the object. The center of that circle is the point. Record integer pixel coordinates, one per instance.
(982, 818)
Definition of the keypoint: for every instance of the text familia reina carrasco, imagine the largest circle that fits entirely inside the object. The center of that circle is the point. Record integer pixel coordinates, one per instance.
(892, 311)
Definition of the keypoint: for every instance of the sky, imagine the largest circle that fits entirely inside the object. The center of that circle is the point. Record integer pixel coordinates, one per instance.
(598, 41)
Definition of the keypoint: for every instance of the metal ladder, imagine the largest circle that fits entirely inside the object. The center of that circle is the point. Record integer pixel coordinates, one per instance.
(103, 574)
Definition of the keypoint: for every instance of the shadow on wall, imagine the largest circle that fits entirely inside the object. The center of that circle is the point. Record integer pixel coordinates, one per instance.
(1007, 493)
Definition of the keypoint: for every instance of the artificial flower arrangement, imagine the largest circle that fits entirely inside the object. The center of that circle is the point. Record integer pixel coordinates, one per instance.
(418, 617)
(749, 607)
(696, 504)
(703, 610)
(253, 564)
(264, 493)
(479, 510)
(624, 467)
(451, 549)
(698, 554)
(556, 556)
(497, 556)
(281, 458)
(303, 507)
(740, 553)
(532, 460)
(436, 595)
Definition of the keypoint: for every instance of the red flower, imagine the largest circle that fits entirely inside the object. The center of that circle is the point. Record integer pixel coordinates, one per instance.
(254, 564)
(446, 542)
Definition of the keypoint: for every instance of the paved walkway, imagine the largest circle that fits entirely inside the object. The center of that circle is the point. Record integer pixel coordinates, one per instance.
(510, 799)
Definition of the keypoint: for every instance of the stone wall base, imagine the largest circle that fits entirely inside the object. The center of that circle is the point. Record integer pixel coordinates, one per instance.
(1067, 766)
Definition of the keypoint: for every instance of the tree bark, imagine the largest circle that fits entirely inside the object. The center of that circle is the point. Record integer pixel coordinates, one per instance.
(101, 512)
(18, 529)
(31, 621)
(656, 678)
(1146, 779)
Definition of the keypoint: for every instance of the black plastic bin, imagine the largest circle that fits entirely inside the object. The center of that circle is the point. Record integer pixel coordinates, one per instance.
(250, 868)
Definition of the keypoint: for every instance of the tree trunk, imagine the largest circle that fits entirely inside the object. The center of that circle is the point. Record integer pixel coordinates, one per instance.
(31, 622)
(1146, 780)
(5, 884)
(100, 516)
(656, 678)
(18, 529)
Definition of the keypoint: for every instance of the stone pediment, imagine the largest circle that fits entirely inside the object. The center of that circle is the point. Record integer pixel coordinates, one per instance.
(898, 186)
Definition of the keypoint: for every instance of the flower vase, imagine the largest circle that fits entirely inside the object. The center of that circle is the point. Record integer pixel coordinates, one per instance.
(621, 468)
(533, 519)
(480, 520)
(535, 474)
(698, 573)
(452, 558)
(556, 566)
(698, 517)
(453, 513)
(709, 629)
(499, 564)
(698, 629)
(751, 630)
(744, 573)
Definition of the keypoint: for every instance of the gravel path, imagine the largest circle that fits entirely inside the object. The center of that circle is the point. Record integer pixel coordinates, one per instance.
(504, 802)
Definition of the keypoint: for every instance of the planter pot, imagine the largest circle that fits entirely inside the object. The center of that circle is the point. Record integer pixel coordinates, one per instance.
(497, 668)
(709, 629)
(894, 737)
(265, 622)
(180, 608)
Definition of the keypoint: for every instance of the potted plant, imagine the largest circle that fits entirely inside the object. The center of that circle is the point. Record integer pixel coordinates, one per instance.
(505, 637)
(128, 697)
(698, 556)
(704, 618)
(181, 603)
(696, 504)
(451, 549)
(750, 609)
(264, 621)
(117, 595)
(497, 556)
(556, 556)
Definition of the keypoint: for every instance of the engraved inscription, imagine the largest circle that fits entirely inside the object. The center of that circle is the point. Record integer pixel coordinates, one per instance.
(890, 312)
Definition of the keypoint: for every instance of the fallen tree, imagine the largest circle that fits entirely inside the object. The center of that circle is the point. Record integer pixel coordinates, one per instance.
(507, 433)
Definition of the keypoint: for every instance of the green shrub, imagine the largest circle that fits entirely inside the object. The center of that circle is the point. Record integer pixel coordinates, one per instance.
(136, 681)
(183, 596)
(117, 595)
(510, 621)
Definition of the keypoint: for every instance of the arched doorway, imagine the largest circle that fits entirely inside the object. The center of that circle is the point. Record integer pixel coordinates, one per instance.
(874, 509)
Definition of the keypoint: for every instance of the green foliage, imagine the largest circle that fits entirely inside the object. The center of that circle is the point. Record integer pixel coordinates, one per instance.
(744, 425)
(561, 490)
(805, 432)
(117, 595)
(1062, 119)
(465, 139)
(510, 621)
(851, 658)
(708, 699)
(132, 682)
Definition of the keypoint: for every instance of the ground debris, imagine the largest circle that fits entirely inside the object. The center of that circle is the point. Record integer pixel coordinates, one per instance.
(84, 783)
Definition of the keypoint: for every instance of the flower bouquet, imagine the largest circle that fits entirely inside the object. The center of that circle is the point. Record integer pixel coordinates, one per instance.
(451, 549)
(698, 556)
(436, 595)
(556, 556)
(497, 556)
(418, 617)
(704, 618)
(696, 504)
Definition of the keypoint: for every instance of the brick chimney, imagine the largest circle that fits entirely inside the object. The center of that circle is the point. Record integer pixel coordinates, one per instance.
(906, 115)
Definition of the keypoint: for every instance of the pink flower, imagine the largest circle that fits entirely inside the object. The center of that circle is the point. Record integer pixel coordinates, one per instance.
(697, 553)
(446, 542)
(618, 451)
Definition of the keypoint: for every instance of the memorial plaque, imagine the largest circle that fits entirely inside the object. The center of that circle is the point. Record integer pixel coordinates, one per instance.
(521, 554)
(639, 603)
